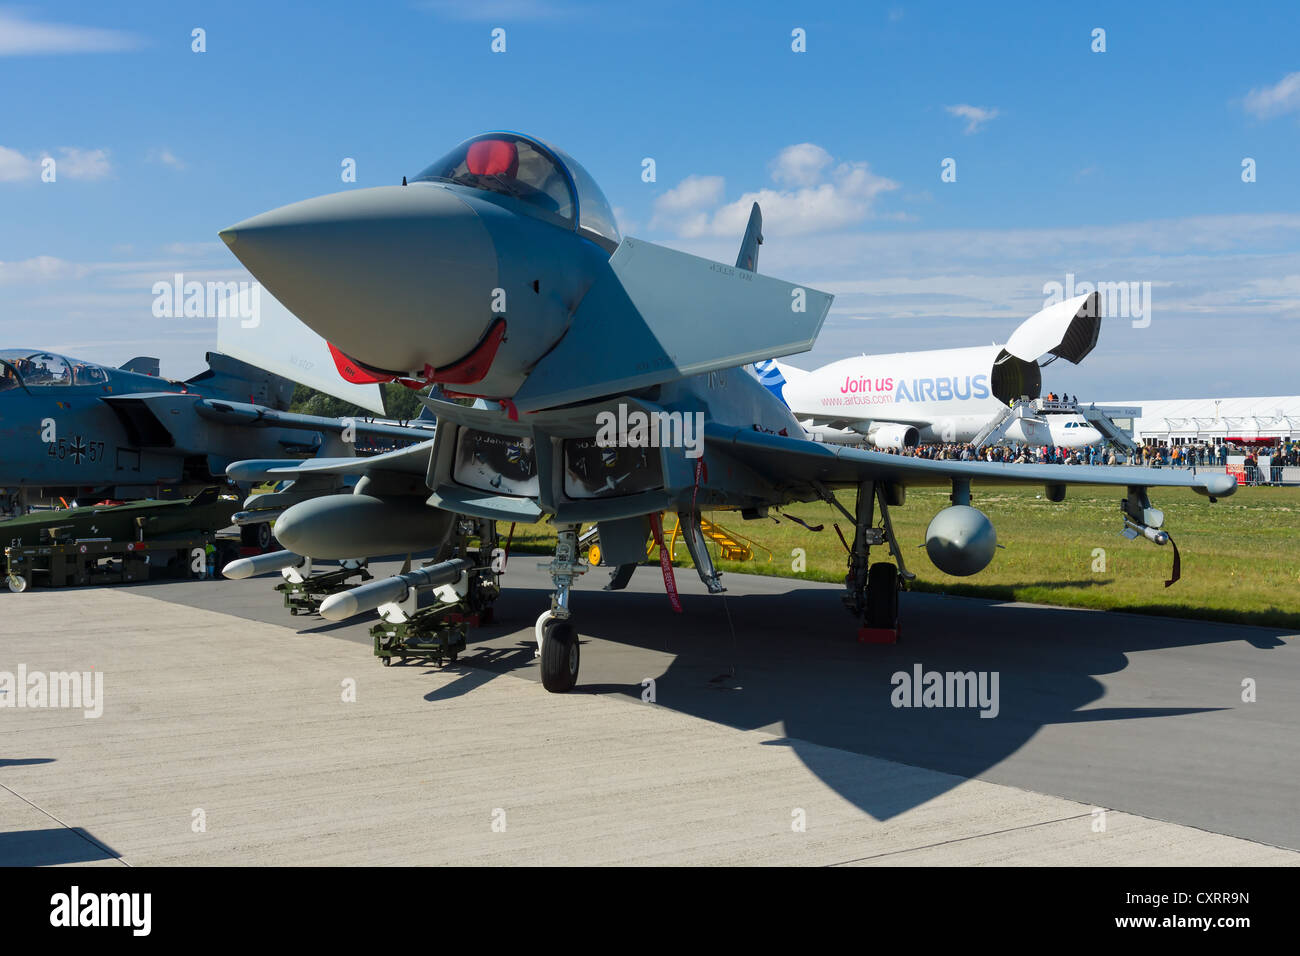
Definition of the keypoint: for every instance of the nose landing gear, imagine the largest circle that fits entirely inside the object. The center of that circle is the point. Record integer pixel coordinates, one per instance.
(557, 640)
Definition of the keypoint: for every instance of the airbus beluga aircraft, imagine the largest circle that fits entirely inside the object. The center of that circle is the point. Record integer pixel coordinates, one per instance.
(946, 395)
(498, 272)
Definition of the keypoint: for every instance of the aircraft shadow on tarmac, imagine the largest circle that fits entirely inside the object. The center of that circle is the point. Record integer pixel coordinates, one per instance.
(52, 847)
(794, 668)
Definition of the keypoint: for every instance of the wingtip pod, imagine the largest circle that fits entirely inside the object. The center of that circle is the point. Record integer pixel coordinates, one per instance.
(1216, 486)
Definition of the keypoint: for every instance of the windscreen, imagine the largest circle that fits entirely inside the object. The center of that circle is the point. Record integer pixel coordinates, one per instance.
(510, 165)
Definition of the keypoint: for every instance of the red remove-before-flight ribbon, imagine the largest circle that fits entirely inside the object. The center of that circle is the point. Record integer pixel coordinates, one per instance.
(665, 563)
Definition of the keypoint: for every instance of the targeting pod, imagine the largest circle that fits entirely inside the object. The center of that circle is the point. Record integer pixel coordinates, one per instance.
(263, 564)
(367, 597)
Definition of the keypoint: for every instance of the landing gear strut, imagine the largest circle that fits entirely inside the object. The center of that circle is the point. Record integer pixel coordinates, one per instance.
(557, 641)
(871, 590)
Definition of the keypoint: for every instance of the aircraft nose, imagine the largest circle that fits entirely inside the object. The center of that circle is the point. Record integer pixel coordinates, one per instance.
(397, 277)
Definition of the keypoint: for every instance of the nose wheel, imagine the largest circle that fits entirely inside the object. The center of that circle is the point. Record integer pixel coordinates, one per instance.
(557, 640)
(559, 653)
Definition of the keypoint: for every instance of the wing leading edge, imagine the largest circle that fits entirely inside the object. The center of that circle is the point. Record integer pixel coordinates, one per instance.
(789, 461)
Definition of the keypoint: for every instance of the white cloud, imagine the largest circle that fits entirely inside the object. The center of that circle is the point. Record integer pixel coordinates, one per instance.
(685, 206)
(846, 199)
(40, 269)
(166, 157)
(800, 165)
(102, 310)
(1225, 291)
(20, 36)
(1276, 100)
(818, 199)
(690, 193)
(77, 163)
(975, 116)
(194, 248)
(626, 224)
(72, 162)
(15, 167)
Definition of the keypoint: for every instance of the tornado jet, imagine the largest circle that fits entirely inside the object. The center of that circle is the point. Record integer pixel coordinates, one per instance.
(498, 272)
(73, 429)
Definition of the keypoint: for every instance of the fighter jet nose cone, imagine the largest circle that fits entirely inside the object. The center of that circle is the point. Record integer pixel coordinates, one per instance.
(396, 278)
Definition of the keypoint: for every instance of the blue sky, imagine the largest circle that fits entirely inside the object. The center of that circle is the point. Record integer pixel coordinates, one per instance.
(1115, 166)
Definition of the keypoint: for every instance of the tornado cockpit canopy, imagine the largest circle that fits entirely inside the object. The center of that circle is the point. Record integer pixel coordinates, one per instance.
(536, 174)
(33, 369)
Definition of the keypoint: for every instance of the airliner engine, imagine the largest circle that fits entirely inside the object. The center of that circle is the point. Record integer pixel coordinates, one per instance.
(890, 435)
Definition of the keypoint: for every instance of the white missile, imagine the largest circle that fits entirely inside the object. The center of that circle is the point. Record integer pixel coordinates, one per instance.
(1132, 529)
(368, 596)
(262, 564)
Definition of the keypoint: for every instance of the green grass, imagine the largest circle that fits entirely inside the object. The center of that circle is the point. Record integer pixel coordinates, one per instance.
(1240, 555)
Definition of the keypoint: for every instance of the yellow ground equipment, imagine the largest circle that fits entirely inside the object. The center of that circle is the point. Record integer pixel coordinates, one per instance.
(731, 546)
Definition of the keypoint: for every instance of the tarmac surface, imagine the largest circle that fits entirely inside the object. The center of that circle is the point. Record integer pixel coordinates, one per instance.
(226, 736)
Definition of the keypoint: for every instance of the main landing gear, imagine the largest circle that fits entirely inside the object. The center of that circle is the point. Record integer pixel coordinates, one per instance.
(557, 640)
(871, 590)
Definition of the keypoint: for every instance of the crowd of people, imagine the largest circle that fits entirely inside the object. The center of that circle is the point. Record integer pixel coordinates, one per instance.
(1153, 454)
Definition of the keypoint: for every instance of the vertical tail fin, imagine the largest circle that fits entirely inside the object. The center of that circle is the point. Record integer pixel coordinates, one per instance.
(142, 365)
(748, 258)
(767, 371)
(769, 375)
(239, 381)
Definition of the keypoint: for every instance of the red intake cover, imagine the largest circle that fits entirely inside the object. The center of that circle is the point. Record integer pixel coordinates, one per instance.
(353, 373)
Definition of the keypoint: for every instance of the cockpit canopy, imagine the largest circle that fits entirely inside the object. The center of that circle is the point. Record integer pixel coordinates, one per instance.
(532, 172)
(35, 369)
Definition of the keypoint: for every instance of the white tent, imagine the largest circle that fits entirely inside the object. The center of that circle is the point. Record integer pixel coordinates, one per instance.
(1208, 419)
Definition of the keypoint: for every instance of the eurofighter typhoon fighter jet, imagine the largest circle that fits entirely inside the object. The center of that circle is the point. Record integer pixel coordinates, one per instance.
(499, 273)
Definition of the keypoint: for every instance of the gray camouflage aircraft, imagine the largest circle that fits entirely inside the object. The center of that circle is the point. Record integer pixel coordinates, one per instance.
(74, 429)
(613, 379)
